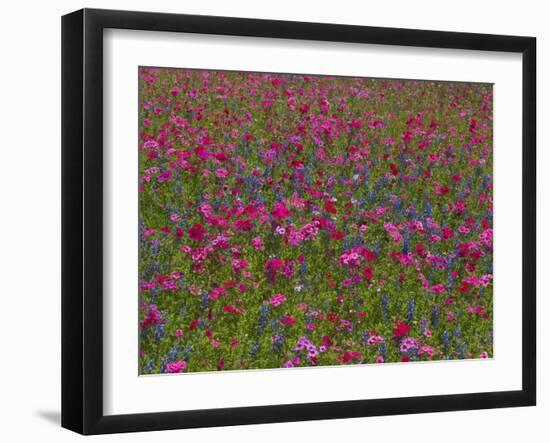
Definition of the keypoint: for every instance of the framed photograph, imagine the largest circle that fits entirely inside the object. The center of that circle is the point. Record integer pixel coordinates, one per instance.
(268, 221)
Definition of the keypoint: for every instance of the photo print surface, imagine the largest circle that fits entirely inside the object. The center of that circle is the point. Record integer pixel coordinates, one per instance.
(291, 220)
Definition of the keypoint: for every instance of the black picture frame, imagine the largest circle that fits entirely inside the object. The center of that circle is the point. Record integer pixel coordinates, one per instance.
(82, 214)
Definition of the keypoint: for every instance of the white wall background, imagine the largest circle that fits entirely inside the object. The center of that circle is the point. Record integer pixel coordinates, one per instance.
(30, 218)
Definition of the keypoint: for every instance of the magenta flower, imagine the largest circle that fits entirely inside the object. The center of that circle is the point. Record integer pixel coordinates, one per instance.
(176, 366)
(277, 300)
(258, 243)
(437, 289)
(280, 211)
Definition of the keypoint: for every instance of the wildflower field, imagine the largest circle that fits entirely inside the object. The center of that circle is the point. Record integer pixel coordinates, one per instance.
(299, 220)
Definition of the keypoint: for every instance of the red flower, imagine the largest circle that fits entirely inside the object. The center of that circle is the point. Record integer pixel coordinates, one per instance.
(244, 224)
(475, 255)
(288, 320)
(327, 341)
(251, 210)
(367, 254)
(297, 164)
(367, 272)
(401, 329)
(280, 211)
(336, 235)
(447, 233)
(272, 265)
(197, 232)
(421, 250)
(193, 324)
(394, 169)
(350, 355)
(463, 249)
(329, 207)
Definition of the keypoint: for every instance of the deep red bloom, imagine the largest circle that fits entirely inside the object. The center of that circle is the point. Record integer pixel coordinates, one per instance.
(395, 255)
(314, 192)
(251, 210)
(406, 136)
(447, 233)
(193, 324)
(367, 254)
(421, 250)
(297, 164)
(329, 207)
(288, 320)
(197, 232)
(367, 272)
(336, 235)
(401, 329)
(327, 341)
(475, 255)
(271, 267)
(303, 109)
(394, 169)
(350, 355)
(244, 224)
(463, 249)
